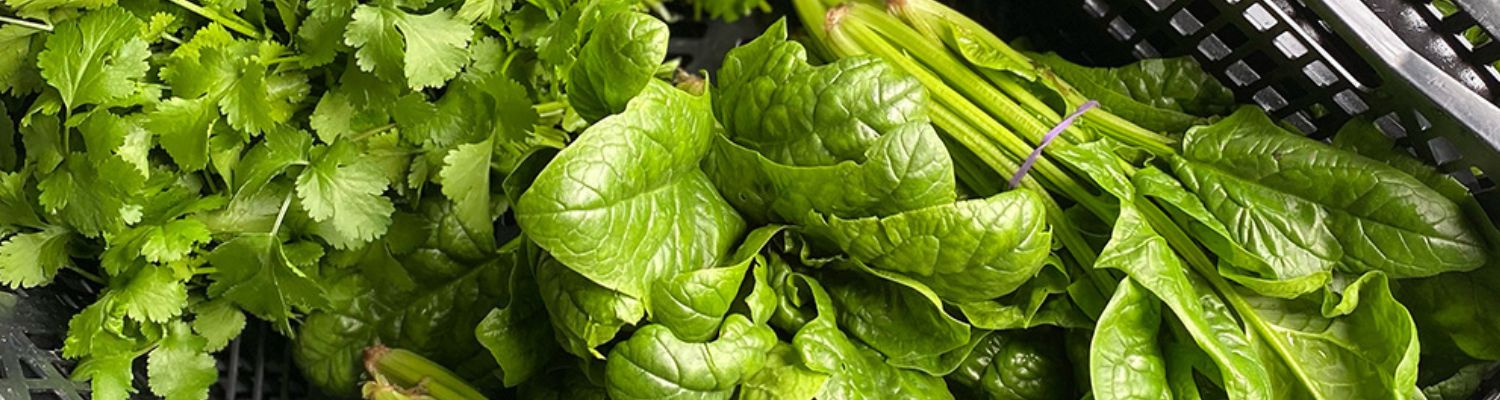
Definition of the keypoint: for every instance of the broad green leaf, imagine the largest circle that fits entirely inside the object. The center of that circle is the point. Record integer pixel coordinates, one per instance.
(32, 259)
(966, 251)
(909, 327)
(1168, 94)
(584, 315)
(1125, 361)
(1363, 345)
(266, 277)
(466, 182)
(1462, 385)
(1362, 136)
(620, 58)
(772, 101)
(153, 294)
(693, 304)
(654, 364)
(1319, 207)
(1264, 270)
(179, 368)
(345, 190)
(589, 208)
(783, 377)
(1136, 249)
(427, 49)
(855, 371)
(514, 335)
(95, 59)
(1018, 365)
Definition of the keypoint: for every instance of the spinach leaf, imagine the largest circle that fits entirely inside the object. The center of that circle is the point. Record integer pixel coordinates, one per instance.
(784, 377)
(1145, 256)
(906, 325)
(855, 372)
(1361, 345)
(514, 335)
(790, 129)
(1461, 385)
(1125, 361)
(1318, 207)
(619, 59)
(435, 320)
(654, 364)
(626, 204)
(693, 304)
(584, 315)
(1019, 365)
(1170, 94)
(966, 251)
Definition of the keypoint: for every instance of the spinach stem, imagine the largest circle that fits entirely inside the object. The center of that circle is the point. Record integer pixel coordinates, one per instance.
(232, 22)
(852, 39)
(29, 24)
(411, 370)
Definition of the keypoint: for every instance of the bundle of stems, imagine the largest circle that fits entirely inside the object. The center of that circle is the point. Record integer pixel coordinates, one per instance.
(995, 104)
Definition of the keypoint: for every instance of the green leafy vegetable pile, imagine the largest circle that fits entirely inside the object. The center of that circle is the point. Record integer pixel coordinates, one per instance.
(458, 199)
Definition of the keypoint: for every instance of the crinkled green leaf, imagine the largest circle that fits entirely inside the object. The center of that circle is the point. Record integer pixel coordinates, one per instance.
(514, 335)
(971, 250)
(589, 206)
(1167, 94)
(783, 377)
(621, 56)
(584, 315)
(654, 364)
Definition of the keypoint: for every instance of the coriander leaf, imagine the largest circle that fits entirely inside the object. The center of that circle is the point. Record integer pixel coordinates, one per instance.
(40, 7)
(109, 375)
(19, 47)
(344, 189)
(427, 50)
(179, 368)
(265, 277)
(466, 182)
(173, 241)
(483, 10)
(621, 56)
(259, 100)
(320, 37)
(590, 206)
(152, 294)
(654, 364)
(184, 127)
(16, 201)
(268, 159)
(96, 330)
(218, 321)
(32, 259)
(90, 197)
(96, 58)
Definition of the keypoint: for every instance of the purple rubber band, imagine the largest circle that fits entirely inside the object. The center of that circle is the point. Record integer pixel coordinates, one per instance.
(1047, 139)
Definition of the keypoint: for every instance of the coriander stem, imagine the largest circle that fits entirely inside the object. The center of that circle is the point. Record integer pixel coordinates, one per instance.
(29, 24)
(281, 214)
(233, 23)
(372, 132)
(88, 275)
